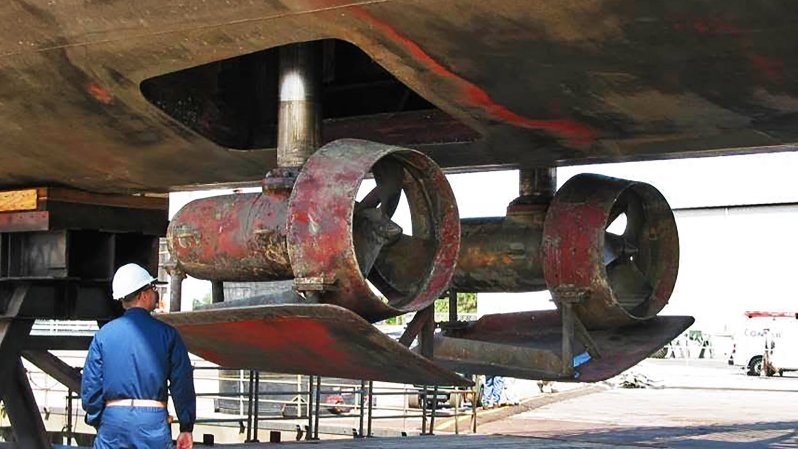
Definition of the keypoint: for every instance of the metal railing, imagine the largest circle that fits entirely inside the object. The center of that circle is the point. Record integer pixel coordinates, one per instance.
(308, 406)
(312, 400)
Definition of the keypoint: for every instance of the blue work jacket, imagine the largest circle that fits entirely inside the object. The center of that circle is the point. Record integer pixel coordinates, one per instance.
(134, 357)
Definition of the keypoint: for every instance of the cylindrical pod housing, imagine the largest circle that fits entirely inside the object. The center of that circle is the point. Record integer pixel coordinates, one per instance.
(501, 254)
(239, 237)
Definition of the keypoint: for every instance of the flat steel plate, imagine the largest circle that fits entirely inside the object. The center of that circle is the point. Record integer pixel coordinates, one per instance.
(528, 345)
(317, 339)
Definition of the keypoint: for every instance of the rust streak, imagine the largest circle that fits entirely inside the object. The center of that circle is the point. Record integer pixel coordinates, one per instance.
(573, 132)
(100, 94)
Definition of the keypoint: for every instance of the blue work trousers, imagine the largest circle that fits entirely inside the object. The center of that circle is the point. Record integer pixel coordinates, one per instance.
(492, 393)
(123, 427)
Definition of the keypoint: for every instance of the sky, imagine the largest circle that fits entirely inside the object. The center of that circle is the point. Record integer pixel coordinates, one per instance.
(685, 183)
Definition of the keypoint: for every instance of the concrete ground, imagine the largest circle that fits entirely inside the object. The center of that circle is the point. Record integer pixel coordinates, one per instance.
(689, 404)
(694, 404)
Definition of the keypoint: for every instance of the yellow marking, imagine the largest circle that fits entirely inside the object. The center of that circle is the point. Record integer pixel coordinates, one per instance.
(16, 200)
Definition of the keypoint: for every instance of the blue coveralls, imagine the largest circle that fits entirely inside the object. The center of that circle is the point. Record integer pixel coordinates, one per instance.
(133, 357)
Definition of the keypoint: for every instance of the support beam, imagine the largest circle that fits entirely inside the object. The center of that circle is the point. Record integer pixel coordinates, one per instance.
(57, 343)
(425, 337)
(176, 278)
(26, 421)
(14, 304)
(217, 292)
(64, 373)
(12, 335)
(13, 332)
(537, 184)
(299, 116)
(452, 306)
(15, 391)
(415, 325)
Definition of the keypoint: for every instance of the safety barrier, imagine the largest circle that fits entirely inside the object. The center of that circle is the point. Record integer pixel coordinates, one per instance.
(307, 406)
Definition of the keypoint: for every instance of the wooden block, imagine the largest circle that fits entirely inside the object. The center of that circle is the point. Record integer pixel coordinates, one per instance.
(18, 200)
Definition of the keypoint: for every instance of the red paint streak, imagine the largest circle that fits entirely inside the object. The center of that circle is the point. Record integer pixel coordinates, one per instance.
(760, 314)
(708, 26)
(716, 26)
(291, 343)
(571, 255)
(700, 26)
(573, 132)
(773, 69)
(100, 94)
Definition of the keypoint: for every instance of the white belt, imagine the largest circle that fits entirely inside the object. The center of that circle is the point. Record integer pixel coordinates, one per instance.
(135, 403)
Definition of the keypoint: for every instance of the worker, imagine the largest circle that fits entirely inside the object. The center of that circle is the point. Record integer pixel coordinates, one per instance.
(130, 361)
(492, 391)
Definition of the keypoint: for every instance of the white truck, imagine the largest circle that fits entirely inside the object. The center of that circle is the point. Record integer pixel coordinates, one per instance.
(783, 354)
(776, 332)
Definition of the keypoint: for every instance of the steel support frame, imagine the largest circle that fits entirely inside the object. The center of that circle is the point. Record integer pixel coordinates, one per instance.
(54, 367)
(418, 326)
(572, 327)
(15, 390)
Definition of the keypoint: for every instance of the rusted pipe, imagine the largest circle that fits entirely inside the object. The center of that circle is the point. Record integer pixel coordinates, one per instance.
(299, 116)
(536, 188)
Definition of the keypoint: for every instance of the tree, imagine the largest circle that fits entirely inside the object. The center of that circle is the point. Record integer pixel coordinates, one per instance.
(196, 302)
(466, 303)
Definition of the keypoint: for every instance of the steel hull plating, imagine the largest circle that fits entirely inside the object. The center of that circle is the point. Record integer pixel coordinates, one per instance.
(517, 83)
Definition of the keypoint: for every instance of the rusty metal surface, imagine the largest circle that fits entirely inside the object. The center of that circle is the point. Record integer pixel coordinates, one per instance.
(324, 239)
(501, 254)
(239, 237)
(626, 277)
(319, 234)
(527, 345)
(611, 80)
(24, 221)
(323, 340)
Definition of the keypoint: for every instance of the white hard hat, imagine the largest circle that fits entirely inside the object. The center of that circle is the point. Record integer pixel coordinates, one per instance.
(131, 278)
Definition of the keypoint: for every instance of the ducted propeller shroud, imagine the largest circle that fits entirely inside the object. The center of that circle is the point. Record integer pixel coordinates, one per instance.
(627, 275)
(333, 236)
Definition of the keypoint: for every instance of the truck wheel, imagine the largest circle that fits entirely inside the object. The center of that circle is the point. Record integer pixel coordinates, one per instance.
(755, 366)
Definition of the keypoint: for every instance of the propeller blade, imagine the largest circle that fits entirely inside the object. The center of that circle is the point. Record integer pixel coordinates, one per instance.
(635, 219)
(617, 209)
(613, 247)
(389, 176)
(371, 231)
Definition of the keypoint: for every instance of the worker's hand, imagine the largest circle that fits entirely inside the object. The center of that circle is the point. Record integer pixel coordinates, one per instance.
(185, 440)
